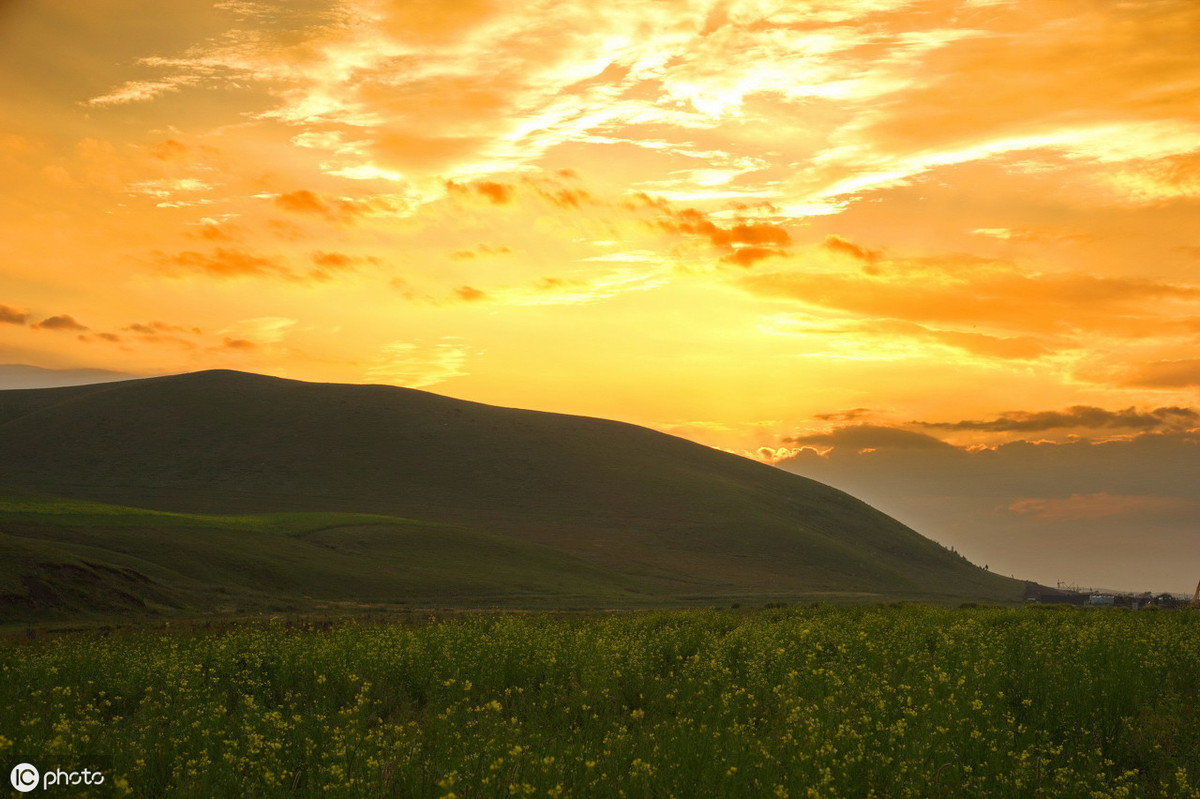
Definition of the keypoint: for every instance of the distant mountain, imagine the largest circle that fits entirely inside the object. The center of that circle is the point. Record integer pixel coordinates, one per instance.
(19, 375)
(653, 517)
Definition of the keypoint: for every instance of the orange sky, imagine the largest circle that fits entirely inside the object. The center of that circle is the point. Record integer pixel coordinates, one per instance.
(747, 223)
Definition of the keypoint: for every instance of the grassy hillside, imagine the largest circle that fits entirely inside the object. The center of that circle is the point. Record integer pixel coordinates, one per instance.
(65, 558)
(674, 517)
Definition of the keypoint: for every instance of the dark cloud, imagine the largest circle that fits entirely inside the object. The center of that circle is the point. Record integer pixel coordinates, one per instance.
(869, 436)
(238, 344)
(156, 327)
(1120, 513)
(1075, 416)
(60, 322)
(12, 316)
(845, 416)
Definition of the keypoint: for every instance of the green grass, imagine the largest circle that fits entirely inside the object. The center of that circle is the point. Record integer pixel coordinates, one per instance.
(82, 513)
(816, 702)
(70, 559)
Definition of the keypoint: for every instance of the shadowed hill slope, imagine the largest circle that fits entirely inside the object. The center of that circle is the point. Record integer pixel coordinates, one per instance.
(677, 516)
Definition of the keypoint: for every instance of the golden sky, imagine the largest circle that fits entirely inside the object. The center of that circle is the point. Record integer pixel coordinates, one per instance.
(749, 223)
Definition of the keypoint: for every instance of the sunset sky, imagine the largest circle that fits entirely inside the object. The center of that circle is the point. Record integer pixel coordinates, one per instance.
(912, 248)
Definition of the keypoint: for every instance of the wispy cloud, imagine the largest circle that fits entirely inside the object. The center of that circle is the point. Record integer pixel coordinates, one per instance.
(419, 364)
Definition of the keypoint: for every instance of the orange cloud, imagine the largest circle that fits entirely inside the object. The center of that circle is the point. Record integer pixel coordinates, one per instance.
(222, 263)
(212, 232)
(972, 291)
(694, 222)
(498, 193)
(11, 316)
(334, 209)
(170, 150)
(333, 260)
(154, 328)
(60, 322)
(1164, 374)
(746, 257)
(470, 294)
(1094, 506)
(835, 243)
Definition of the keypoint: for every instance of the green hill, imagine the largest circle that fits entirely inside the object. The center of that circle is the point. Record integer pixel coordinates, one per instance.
(582, 510)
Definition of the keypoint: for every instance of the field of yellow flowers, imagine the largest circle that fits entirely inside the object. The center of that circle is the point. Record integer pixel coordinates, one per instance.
(805, 702)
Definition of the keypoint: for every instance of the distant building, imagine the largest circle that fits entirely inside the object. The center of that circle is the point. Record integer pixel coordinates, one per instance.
(1044, 594)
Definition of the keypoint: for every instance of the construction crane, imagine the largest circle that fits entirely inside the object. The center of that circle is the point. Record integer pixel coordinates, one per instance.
(1196, 598)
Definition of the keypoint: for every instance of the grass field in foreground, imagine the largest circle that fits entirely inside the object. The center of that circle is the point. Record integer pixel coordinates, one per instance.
(813, 702)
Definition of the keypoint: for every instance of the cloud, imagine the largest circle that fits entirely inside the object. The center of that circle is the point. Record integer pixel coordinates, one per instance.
(11, 316)
(747, 257)
(1164, 374)
(879, 339)
(868, 436)
(417, 365)
(481, 250)
(470, 294)
(60, 322)
(973, 291)
(1077, 416)
(258, 331)
(335, 209)
(222, 262)
(155, 327)
(845, 416)
(694, 222)
(170, 150)
(112, 338)
(1095, 506)
(835, 243)
(1119, 513)
(140, 91)
(497, 193)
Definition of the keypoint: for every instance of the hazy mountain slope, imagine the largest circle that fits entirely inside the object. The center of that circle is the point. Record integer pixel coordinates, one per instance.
(688, 518)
